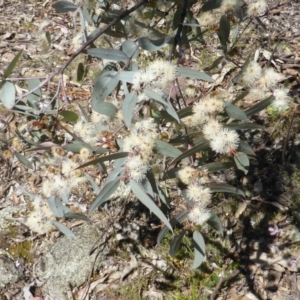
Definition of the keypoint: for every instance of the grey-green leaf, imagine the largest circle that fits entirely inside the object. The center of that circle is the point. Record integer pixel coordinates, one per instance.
(218, 166)
(12, 65)
(28, 164)
(68, 116)
(109, 188)
(234, 112)
(105, 158)
(64, 6)
(103, 86)
(153, 45)
(175, 243)
(111, 54)
(242, 161)
(199, 246)
(224, 31)
(127, 76)
(105, 108)
(94, 185)
(259, 106)
(128, 106)
(215, 223)
(37, 94)
(80, 71)
(56, 206)
(8, 95)
(139, 192)
(200, 147)
(224, 188)
(174, 221)
(187, 72)
(63, 229)
(246, 148)
(130, 49)
(167, 149)
(243, 126)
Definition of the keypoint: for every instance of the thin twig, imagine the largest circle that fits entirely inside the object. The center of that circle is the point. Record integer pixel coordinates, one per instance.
(221, 282)
(177, 38)
(84, 46)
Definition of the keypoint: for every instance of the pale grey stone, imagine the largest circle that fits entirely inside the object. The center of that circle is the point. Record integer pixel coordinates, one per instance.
(68, 263)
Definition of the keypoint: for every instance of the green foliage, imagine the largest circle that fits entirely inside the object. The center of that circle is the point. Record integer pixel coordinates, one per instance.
(150, 121)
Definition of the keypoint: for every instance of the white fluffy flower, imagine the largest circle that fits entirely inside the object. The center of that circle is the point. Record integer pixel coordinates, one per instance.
(199, 193)
(256, 8)
(199, 215)
(206, 19)
(186, 175)
(225, 141)
(252, 73)
(211, 128)
(281, 101)
(269, 78)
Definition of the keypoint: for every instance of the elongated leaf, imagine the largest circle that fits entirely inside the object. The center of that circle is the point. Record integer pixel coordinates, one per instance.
(215, 223)
(128, 106)
(127, 76)
(218, 166)
(200, 147)
(103, 86)
(83, 112)
(174, 221)
(242, 161)
(73, 215)
(105, 158)
(163, 197)
(8, 95)
(56, 206)
(167, 149)
(28, 164)
(170, 174)
(199, 246)
(224, 188)
(175, 243)
(162, 99)
(147, 187)
(64, 6)
(117, 171)
(185, 112)
(243, 126)
(105, 108)
(63, 229)
(131, 49)
(69, 116)
(109, 188)
(224, 31)
(12, 65)
(153, 45)
(139, 192)
(156, 96)
(111, 54)
(234, 112)
(37, 94)
(238, 76)
(187, 72)
(80, 71)
(259, 106)
(210, 5)
(94, 185)
(245, 147)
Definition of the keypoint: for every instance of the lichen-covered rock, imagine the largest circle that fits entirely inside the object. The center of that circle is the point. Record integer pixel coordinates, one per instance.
(8, 271)
(68, 263)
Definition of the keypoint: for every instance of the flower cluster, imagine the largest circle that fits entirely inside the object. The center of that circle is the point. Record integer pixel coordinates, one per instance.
(156, 75)
(262, 83)
(140, 144)
(201, 197)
